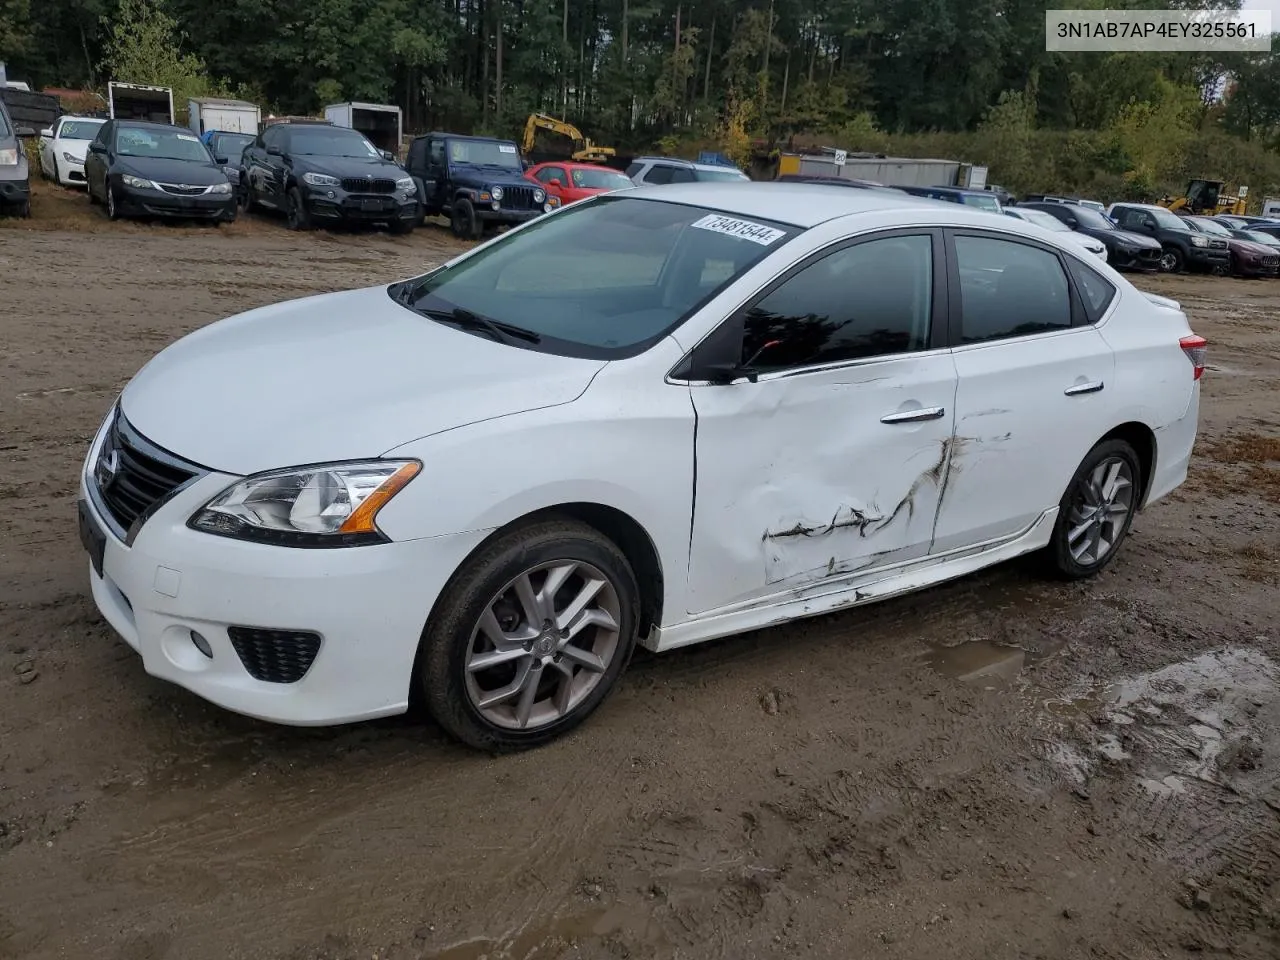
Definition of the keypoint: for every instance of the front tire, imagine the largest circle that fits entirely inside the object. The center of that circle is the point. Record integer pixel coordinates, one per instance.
(529, 637)
(296, 213)
(466, 225)
(113, 211)
(1172, 261)
(1096, 512)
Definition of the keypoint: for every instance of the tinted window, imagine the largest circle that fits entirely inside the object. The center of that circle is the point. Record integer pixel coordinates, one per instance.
(866, 300)
(658, 173)
(437, 153)
(160, 143)
(229, 145)
(273, 137)
(600, 277)
(729, 175)
(417, 154)
(1009, 289)
(681, 175)
(321, 141)
(1095, 290)
(633, 169)
(547, 174)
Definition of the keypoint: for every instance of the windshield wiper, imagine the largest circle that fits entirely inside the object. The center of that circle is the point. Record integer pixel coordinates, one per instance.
(502, 332)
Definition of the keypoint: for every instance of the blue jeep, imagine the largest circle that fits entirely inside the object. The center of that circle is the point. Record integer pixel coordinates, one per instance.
(477, 182)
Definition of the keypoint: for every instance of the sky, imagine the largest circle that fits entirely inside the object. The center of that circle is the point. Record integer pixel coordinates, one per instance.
(1272, 5)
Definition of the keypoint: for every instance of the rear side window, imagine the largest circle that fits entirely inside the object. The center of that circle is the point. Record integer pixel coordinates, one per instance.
(681, 175)
(1009, 289)
(633, 169)
(1095, 290)
(868, 300)
(658, 173)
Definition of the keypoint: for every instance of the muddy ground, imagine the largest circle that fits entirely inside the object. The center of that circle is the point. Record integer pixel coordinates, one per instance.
(997, 768)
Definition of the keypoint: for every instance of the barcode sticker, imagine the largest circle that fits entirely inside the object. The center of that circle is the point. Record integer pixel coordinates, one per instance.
(506, 148)
(742, 229)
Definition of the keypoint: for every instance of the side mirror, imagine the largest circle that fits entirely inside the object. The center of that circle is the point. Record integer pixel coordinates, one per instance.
(1149, 224)
(96, 147)
(555, 182)
(222, 161)
(1072, 222)
(388, 156)
(23, 132)
(274, 152)
(47, 133)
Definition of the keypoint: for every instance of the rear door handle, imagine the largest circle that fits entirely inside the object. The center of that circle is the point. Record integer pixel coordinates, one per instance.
(915, 416)
(1080, 388)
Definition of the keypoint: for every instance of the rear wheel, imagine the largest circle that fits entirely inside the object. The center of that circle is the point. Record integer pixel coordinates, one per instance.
(530, 636)
(1095, 513)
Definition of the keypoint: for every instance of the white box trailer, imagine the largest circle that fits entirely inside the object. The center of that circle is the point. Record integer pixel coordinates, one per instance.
(219, 113)
(137, 101)
(382, 123)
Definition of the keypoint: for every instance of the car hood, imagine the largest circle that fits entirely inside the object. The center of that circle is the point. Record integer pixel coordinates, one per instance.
(1136, 239)
(1249, 246)
(489, 176)
(1091, 243)
(193, 172)
(348, 166)
(334, 377)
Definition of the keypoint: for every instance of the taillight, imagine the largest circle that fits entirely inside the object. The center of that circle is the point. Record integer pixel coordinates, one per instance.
(1196, 349)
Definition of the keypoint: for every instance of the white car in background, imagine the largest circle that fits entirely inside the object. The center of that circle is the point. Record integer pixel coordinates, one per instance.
(1042, 219)
(63, 147)
(658, 416)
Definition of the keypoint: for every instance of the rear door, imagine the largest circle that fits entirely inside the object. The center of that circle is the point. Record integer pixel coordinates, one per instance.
(1032, 395)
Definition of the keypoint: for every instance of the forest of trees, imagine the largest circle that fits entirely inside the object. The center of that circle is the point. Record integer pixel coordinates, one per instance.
(968, 79)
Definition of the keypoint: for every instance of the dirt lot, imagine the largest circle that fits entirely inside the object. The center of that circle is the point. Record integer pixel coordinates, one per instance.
(998, 768)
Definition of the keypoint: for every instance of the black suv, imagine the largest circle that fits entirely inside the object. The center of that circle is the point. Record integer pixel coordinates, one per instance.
(477, 182)
(1125, 250)
(1183, 248)
(315, 171)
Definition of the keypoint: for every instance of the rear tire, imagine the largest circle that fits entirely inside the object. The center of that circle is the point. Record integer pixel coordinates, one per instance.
(1096, 511)
(525, 590)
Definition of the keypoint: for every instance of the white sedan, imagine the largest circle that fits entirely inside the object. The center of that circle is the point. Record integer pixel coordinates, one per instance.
(1042, 219)
(63, 147)
(660, 417)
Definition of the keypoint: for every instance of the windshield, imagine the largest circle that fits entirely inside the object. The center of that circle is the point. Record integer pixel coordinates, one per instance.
(79, 129)
(160, 144)
(230, 146)
(1170, 221)
(1091, 205)
(330, 142)
(600, 179)
(490, 153)
(1048, 221)
(603, 278)
(702, 174)
(1088, 217)
(984, 203)
(1258, 236)
(1208, 226)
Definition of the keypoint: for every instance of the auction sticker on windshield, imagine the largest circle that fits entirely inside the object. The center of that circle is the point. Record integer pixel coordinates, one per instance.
(743, 229)
(187, 136)
(506, 148)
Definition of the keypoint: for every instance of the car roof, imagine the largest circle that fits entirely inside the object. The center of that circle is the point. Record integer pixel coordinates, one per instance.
(151, 125)
(804, 204)
(79, 116)
(1140, 206)
(674, 161)
(465, 136)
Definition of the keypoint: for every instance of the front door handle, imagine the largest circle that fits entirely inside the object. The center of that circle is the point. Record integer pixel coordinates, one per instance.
(915, 416)
(1080, 388)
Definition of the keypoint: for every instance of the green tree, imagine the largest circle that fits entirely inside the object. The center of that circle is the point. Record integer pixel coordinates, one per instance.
(143, 46)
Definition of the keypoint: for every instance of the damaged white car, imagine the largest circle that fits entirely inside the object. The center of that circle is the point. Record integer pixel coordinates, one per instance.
(656, 418)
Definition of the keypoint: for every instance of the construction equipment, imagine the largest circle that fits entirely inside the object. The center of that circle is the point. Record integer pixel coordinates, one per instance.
(584, 151)
(1206, 196)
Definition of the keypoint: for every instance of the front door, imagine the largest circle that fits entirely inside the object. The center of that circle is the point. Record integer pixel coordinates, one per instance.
(831, 463)
(1033, 388)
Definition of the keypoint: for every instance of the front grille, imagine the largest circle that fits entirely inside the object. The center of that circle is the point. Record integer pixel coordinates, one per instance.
(1218, 244)
(1271, 261)
(517, 198)
(365, 185)
(275, 656)
(132, 475)
(182, 190)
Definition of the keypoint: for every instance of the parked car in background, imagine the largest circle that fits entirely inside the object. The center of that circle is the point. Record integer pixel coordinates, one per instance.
(477, 182)
(15, 179)
(1237, 222)
(63, 147)
(1125, 250)
(568, 181)
(1248, 257)
(982, 199)
(228, 149)
(1050, 222)
(655, 171)
(1183, 248)
(1074, 201)
(481, 487)
(136, 168)
(1257, 236)
(1006, 198)
(314, 172)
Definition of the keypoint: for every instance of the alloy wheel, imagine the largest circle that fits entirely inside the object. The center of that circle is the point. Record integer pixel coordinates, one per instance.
(1167, 262)
(1099, 511)
(543, 644)
(111, 202)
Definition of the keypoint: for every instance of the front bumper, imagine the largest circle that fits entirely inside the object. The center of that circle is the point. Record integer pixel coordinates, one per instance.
(71, 174)
(489, 215)
(368, 606)
(1263, 267)
(1206, 258)
(1145, 260)
(156, 203)
(14, 193)
(336, 205)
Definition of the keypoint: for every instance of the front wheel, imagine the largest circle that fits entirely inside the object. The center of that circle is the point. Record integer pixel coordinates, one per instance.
(296, 213)
(1172, 261)
(530, 636)
(1095, 513)
(113, 212)
(466, 225)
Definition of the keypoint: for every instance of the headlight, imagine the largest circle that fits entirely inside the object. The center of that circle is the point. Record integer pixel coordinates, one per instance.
(497, 193)
(129, 180)
(321, 180)
(8, 157)
(329, 505)
(1199, 242)
(220, 188)
(71, 158)
(539, 196)
(407, 185)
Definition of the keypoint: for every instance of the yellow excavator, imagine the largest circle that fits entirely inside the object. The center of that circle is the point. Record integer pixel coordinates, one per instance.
(1206, 196)
(584, 151)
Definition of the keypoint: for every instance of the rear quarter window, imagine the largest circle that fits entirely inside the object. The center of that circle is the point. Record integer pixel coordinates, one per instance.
(1096, 291)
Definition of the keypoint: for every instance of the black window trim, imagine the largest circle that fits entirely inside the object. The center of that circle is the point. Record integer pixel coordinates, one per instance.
(723, 344)
(1079, 317)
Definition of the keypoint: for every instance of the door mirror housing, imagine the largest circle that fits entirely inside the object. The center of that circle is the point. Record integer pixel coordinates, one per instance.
(555, 182)
(96, 147)
(388, 156)
(47, 133)
(222, 161)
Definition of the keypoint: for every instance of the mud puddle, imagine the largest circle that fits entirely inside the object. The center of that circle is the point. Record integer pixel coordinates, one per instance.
(548, 938)
(989, 663)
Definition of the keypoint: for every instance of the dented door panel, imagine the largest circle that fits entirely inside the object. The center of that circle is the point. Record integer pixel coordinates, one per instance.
(800, 483)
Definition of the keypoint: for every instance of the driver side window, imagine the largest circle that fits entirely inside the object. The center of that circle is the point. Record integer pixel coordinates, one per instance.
(870, 299)
(273, 137)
